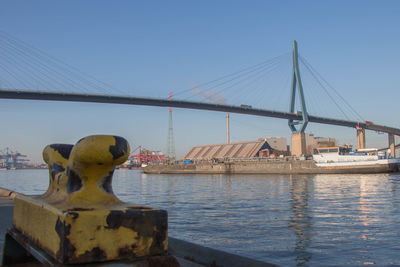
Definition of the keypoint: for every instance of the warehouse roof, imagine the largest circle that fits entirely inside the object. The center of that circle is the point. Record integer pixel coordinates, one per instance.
(232, 150)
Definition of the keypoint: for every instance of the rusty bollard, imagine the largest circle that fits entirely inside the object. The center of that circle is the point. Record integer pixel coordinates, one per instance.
(79, 219)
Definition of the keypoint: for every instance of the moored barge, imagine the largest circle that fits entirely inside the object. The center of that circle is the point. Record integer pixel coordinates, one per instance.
(335, 160)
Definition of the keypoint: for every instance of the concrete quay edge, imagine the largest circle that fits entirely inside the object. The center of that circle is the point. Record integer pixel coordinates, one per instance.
(4, 192)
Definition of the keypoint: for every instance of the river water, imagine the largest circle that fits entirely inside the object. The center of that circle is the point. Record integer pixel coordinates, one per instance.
(307, 220)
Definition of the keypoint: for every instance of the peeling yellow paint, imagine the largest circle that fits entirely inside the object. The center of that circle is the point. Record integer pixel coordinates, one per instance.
(79, 219)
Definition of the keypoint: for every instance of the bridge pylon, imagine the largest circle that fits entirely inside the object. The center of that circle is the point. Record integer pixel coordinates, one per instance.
(360, 137)
(392, 145)
(296, 84)
(298, 135)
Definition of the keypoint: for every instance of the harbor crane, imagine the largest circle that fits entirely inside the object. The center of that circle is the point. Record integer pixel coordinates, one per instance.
(11, 160)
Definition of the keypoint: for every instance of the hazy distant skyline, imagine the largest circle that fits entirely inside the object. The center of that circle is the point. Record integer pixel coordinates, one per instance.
(154, 47)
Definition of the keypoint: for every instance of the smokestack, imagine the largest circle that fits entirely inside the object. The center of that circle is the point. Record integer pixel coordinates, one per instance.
(227, 128)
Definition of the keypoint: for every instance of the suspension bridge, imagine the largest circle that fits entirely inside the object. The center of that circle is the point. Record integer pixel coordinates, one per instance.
(298, 118)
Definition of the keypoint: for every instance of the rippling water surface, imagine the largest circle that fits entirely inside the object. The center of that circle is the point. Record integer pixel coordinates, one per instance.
(313, 220)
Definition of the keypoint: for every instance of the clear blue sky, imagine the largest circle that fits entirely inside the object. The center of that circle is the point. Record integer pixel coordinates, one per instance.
(149, 48)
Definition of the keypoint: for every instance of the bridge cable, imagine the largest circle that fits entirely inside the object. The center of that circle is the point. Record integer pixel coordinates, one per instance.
(38, 66)
(257, 77)
(61, 65)
(324, 88)
(237, 77)
(13, 75)
(254, 75)
(246, 75)
(33, 58)
(276, 98)
(17, 66)
(312, 70)
(38, 69)
(49, 72)
(258, 90)
(229, 75)
(314, 106)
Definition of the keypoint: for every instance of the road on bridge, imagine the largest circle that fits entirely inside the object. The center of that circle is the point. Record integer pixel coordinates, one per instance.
(158, 102)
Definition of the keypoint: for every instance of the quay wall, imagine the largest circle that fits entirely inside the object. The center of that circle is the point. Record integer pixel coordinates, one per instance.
(264, 167)
(7, 193)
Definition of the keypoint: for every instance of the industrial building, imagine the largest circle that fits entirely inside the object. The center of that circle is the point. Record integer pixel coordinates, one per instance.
(143, 157)
(312, 142)
(263, 147)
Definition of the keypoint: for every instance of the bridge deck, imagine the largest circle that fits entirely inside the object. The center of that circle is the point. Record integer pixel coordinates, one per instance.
(144, 101)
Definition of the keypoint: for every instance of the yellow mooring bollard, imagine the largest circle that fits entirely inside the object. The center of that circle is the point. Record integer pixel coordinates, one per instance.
(79, 219)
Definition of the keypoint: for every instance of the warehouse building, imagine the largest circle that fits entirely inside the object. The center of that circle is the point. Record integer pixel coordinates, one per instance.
(263, 147)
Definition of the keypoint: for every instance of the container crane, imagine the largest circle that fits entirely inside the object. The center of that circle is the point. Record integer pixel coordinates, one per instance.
(144, 156)
(11, 160)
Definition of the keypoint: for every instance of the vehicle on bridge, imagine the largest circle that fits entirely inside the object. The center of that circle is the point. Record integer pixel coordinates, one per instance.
(245, 106)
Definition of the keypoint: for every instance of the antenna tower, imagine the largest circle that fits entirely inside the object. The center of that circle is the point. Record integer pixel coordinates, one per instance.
(171, 140)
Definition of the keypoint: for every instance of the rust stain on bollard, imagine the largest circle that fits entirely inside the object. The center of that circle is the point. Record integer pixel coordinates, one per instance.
(79, 219)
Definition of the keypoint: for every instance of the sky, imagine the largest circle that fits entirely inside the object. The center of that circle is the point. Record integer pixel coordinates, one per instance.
(149, 48)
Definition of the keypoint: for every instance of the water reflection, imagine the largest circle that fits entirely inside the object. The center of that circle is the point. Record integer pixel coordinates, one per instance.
(395, 191)
(300, 221)
(321, 220)
(171, 193)
(228, 187)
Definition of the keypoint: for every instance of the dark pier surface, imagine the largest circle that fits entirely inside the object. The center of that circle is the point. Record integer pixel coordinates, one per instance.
(6, 215)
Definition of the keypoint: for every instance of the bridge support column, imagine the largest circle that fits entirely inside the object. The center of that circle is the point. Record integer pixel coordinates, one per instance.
(392, 145)
(360, 138)
(298, 144)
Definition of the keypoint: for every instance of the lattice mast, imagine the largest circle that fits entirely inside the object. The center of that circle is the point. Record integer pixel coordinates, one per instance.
(171, 141)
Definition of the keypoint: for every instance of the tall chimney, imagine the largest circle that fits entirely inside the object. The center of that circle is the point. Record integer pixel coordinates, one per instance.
(227, 128)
